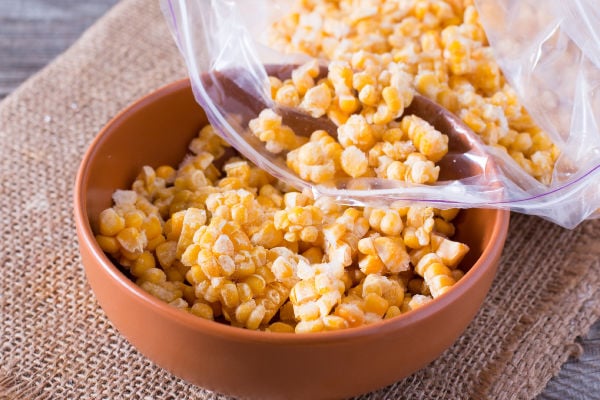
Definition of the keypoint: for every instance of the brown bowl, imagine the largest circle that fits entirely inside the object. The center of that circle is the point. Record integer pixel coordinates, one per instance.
(253, 364)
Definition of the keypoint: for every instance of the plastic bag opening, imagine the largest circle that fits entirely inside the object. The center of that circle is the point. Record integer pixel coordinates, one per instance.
(228, 68)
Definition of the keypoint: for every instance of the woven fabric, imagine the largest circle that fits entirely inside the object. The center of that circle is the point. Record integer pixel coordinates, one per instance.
(55, 341)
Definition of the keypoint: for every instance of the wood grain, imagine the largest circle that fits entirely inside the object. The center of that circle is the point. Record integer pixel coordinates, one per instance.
(33, 32)
(579, 379)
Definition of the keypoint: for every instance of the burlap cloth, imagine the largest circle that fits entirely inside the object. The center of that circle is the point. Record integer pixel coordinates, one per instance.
(57, 343)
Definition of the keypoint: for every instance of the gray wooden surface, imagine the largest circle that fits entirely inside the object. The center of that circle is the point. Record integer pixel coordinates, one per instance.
(33, 32)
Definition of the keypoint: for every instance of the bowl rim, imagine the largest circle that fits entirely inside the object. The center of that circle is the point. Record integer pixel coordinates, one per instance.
(87, 239)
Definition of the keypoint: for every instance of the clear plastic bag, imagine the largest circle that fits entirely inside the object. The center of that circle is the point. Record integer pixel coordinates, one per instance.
(550, 56)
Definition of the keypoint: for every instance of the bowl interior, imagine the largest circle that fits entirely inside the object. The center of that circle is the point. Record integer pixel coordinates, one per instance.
(156, 131)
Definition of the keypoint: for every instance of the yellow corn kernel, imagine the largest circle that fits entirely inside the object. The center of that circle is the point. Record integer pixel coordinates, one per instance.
(174, 225)
(108, 244)
(375, 304)
(179, 303)
(348, 104)
(127, 257)
(245, 292)
(193, 219)
(417, 301)
(369, 95)
(275, 84)
(310, 326)
(202, 310)
(143, 263)
(267, 236)
(256, 282)
(440, 284)
(354, 161)
(309, 234)
(396, 170)
(110, 223)
(425, 262)
(282, 269)
(334, 322)
(371, 264)
(411, 240)
(303, 76)
(162, 291)
(393, 100)
(256, 317)
(189, 256)
(132, 240)
(392, 311)
(303, 292)
(317, 100)
(356, 132)
(428, 140)
(391, 223)
(392, 252)
(151, 226)
(449, 214)
(166, 253)
(166, 172)
(280, 327)
(195, 275)
(287, 95)
(444, 227)
(451, 252)
(229, 295)
(134, 219)
(153, 275)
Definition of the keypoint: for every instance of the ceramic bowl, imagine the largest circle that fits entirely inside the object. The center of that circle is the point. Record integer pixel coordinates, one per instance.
(251, 364)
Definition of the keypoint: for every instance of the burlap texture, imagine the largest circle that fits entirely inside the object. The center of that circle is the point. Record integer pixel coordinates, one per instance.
(57, 343)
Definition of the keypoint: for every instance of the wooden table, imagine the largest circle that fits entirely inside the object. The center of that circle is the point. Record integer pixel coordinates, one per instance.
(33, 32)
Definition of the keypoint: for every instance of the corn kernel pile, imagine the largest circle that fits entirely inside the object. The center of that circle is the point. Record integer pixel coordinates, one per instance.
(406, 150)
(378, 50)
(233, 244)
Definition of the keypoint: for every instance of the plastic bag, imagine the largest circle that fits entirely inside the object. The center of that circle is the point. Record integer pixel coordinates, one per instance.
(549, 56)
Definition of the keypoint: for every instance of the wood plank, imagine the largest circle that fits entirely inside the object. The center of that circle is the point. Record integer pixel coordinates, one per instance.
(579, 379)
(34, 32)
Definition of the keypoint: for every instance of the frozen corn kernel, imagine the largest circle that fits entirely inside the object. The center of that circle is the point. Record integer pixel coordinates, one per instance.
(436, 275)
(268, 128)
(316, 100)
(354, 161)
(287, 95)
(202, 310)
(238, 246)
(356, 132)
(132, 240)
(439, 45)
(429, 141)
(317, 160)
(304, 76)
(451, 252)
(108, 244)
(110, 222)
(280, 327)
(163, 291)
(418, 300)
